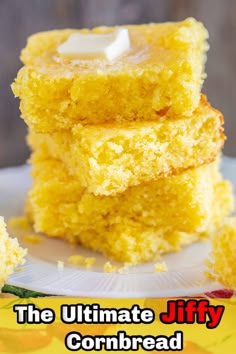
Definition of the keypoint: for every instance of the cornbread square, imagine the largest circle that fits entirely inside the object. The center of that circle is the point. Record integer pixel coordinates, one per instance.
(162, 72)
(134, 226)
(107, 159)
(11, 254)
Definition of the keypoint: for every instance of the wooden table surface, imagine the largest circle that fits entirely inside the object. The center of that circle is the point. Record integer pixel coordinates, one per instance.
(20, 18)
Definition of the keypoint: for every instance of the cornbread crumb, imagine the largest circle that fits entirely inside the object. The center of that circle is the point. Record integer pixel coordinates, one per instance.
(19, 222)
(123, 270)
(33, 239)
(222, 262)
(60, 265)
(11, 254)
(160, 267)
(20, 269)
(109, 268)
(77, 259)
(89, 262)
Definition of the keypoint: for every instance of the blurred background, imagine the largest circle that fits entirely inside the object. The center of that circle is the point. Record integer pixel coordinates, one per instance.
(20, 18)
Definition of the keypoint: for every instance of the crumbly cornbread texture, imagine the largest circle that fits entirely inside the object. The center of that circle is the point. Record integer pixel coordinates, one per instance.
(11, 254)
(223, 256)
(134, 226)
(163, 71)
(107, 159)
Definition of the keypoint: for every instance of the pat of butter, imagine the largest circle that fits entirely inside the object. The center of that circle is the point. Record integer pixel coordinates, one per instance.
(92, 46)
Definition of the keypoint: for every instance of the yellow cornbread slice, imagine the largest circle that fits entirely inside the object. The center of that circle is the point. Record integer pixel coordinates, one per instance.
(163, 71)
(134, 226)
(11, 254)
(222, 262)
(107, 159)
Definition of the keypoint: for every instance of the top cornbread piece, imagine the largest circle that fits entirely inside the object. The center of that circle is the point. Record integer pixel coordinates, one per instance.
(162, 72)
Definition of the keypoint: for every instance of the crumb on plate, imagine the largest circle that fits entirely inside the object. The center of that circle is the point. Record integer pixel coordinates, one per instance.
(160, 267)
(77, 259)
(33, 239)
(60, 265)
(89, 262)
(109, 268)
(20, 222)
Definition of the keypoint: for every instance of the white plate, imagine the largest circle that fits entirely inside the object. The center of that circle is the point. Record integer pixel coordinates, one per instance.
(185, 275)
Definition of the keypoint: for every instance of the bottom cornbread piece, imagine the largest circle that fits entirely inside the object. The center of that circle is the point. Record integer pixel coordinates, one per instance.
(223, 256)
(11, 254)
(134, 226)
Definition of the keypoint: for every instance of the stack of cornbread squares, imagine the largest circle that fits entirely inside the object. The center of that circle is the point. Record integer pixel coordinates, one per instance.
(125, 154)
